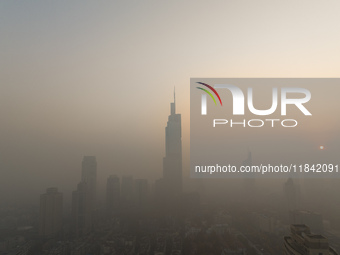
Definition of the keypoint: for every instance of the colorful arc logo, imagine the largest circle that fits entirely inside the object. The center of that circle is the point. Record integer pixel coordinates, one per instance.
(209, 93)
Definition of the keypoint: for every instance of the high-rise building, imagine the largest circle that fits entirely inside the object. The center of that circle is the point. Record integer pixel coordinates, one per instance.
(172, 162)
(303, 242)
(89, 176)
(141, 192)
(51, 213)
(81, 210)
(112, 194)
(292, 193)
(127, 190)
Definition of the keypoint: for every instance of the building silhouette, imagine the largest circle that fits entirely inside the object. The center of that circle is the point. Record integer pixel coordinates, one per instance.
(89, 176)
(292, 194)
(303, 242)
(172, 162)
(51, 213)
(127, 190)
(141, 193)
(112, 194)
(81, 210)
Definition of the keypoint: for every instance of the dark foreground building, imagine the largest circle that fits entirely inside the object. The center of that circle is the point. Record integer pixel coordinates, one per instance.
(303, 242)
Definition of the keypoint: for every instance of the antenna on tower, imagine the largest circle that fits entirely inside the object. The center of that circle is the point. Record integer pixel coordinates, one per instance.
(173, 105)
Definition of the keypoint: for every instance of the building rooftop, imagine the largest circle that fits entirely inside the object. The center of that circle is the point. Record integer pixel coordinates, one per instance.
(302, 241)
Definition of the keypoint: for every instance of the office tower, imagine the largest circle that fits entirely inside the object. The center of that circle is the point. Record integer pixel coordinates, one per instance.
(51, 213)
(172, 162)
(303, 242)
(127, 190)
(81, 210)
(292, 193)
(89, 176)
(112, 194)
(141, 193)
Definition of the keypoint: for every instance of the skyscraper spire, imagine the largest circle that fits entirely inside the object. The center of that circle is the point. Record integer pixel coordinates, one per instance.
(173, 105)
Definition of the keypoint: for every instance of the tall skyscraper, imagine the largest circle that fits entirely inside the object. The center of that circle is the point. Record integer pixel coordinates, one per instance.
(172, 162)
(127, 190)
(81, 210)
(89, 176)
(112, 194)
(292, 193)
(141, 193)
(51, 213)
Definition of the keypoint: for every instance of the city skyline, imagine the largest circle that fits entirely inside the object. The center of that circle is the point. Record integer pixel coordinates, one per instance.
(107, 108)
(84, 84)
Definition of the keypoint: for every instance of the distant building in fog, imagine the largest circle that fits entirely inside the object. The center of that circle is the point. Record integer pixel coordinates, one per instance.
(112, 194)
(89, 176)
(141, 193)
(172, 162)
(51, 213)
(303, 242)
(81, 210)
(292, 194)
(127, 189)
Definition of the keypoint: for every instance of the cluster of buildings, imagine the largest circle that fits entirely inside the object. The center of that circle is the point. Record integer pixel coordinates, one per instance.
(125, 195)
(122, 194)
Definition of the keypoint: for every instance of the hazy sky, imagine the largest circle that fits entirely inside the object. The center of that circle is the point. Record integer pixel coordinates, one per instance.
(96, 77)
